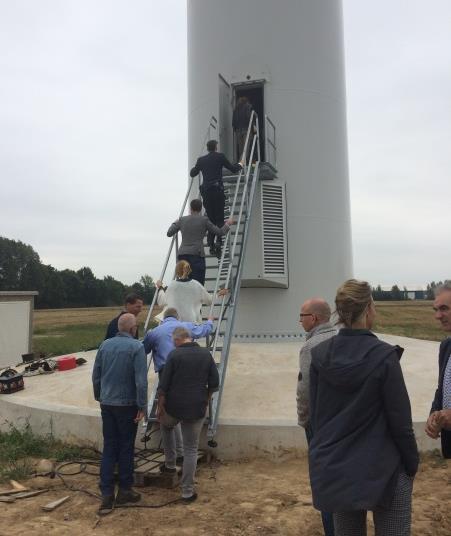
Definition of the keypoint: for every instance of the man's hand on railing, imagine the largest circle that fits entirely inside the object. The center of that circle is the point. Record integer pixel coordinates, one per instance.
(229, 222)
(223, 292)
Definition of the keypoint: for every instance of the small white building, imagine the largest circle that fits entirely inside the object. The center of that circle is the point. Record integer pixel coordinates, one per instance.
(16, 325)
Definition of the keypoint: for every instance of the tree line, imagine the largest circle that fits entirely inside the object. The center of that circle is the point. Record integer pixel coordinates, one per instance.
(22, 269)
(397, 294)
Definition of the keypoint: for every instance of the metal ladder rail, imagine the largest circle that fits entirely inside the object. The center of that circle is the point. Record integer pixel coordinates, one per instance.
(237, 233)
(152, 398)
(232, 210)
(212, 124)
(255, 142)
(168, 256)
(232, 254)
(217, 398)
(228, 240)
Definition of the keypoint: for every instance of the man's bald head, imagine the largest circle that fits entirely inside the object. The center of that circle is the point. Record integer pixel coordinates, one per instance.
(314, 312)
(127, 323)
(320, 308)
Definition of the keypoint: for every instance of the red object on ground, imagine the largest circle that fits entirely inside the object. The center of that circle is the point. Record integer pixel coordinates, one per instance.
(67, 362)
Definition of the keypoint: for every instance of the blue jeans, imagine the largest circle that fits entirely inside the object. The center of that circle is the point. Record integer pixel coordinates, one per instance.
(119, 434)
(326, 517)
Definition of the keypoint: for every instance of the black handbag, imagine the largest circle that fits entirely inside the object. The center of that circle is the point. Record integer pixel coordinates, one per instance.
(10, 381)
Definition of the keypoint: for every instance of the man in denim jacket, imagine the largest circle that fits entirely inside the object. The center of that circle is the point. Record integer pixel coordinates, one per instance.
(119, 379)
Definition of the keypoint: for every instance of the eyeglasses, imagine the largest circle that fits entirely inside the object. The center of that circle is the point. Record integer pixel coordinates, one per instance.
(301, 316)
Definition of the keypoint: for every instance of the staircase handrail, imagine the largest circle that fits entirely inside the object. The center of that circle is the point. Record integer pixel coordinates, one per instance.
(232, 210)
(211, 124)
(270, 142)
(217, 397)
(235, 239)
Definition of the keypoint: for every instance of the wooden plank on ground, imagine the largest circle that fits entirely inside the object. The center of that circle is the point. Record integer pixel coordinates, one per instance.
(7, 499)
(26, 494)
(49, 507)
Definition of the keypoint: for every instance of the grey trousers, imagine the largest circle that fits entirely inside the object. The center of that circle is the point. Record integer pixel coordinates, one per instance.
(178, 440)
(190, 434)
(392, 521)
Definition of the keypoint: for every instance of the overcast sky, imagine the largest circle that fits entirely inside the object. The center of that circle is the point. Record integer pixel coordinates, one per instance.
(93, 137)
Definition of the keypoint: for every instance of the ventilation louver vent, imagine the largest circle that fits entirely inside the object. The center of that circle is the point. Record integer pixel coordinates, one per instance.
(274, 229)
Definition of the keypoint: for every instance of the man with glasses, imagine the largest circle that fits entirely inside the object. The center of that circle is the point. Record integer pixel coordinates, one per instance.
(315, 319)
(439, 421)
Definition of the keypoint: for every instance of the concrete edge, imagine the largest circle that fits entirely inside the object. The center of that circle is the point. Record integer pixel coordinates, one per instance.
(237, 439)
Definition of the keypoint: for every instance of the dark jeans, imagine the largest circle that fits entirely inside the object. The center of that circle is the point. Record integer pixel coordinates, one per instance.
(197, 264)
(326, 517)
(214, 203)
(119, 434)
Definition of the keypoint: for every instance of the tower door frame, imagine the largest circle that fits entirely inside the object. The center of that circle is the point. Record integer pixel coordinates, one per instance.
(255, 91)
(225, 112)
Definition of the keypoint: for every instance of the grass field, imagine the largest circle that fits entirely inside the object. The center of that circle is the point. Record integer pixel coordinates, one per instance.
(61, 331)
(409, 319)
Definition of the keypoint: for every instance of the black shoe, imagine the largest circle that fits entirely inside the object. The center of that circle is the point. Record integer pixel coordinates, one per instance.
(127, 496)
(107, 505)
(164, 469)
(179, 460)
(190, 499)
(213, 251)
(218, 251)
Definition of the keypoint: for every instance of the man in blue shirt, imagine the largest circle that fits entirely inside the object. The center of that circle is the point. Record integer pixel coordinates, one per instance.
(159, 340)
(119, 379)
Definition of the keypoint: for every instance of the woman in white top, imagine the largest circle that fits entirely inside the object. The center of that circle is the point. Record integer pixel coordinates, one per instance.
(184, 294)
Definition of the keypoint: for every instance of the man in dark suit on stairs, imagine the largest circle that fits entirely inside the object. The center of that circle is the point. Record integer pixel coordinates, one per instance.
(212, 189)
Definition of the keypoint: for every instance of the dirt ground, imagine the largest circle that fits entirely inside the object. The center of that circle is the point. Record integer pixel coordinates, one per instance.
(256, 497)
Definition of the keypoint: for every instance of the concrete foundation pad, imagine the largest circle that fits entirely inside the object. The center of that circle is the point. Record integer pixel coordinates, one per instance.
(258, 414)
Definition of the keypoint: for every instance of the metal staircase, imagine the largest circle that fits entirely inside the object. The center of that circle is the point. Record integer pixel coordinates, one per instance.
(225, 272)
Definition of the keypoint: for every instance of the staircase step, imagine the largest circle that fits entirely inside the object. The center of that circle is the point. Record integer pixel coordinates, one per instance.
(208, 267)
(218, 349)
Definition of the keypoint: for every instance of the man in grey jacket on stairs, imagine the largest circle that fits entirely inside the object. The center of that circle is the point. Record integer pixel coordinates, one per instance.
(193, 229)
(315, 319)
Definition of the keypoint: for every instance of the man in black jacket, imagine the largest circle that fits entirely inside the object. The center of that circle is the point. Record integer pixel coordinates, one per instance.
(189, 379)
(439, 422)
(212, 189)
(240, 123)
(133, 305)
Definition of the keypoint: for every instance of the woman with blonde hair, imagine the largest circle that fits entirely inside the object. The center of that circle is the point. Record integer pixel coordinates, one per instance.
(184, 294)
(363, 454)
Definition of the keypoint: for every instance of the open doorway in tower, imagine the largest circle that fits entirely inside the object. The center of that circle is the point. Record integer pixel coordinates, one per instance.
(254, 92)
(229, 94)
